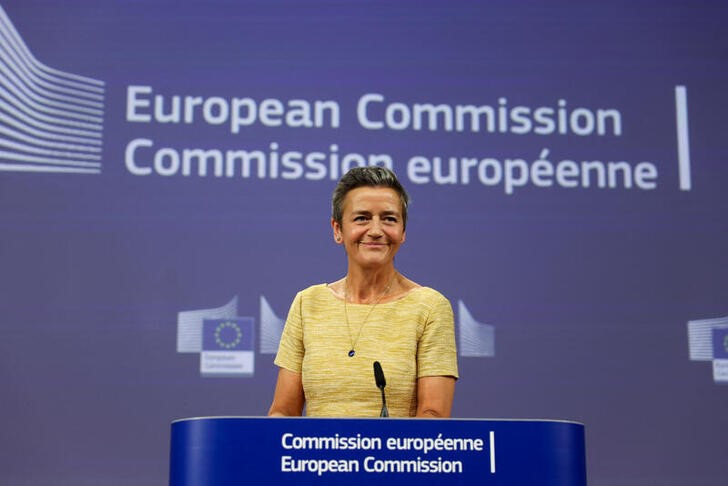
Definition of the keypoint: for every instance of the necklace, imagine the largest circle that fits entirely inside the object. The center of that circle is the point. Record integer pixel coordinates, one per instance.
(353, 342)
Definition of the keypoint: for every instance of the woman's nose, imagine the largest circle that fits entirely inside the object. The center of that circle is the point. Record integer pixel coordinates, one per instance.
(375, 228)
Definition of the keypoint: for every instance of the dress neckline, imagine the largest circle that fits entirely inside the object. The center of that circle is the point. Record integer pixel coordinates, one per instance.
(401, 297)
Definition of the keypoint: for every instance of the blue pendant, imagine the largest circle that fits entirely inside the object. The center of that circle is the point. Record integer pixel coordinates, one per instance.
(351, 353)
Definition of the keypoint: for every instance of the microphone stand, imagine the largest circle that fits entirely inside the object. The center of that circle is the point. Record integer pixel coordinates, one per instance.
(384, 412)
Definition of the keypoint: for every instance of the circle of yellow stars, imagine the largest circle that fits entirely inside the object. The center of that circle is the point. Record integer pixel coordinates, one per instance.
(228, 325)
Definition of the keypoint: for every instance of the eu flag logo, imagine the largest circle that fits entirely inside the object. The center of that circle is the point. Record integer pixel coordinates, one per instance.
(227, 347)
(227, 334)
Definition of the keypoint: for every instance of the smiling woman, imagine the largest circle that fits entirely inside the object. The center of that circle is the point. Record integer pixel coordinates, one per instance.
(374, 229)
(336, 331)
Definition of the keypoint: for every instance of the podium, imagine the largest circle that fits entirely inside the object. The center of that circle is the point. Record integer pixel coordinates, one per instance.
(226, 451)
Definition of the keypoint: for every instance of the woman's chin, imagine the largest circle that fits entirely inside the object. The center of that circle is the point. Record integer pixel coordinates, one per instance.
(374, 261)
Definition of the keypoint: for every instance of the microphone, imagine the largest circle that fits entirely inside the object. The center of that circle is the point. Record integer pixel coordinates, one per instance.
(381, 383)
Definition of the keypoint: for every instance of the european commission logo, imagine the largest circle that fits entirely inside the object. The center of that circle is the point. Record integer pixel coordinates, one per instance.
(227, 347)
(226, 341)
(50, 120)
(708, 341)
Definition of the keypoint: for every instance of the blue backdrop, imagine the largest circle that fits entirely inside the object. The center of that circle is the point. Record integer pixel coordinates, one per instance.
(166, 169)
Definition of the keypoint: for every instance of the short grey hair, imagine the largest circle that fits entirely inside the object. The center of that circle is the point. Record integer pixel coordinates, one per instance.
(372, 176)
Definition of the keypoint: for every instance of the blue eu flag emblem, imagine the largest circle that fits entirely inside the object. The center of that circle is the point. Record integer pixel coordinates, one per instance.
(227, 347)
(227, 334)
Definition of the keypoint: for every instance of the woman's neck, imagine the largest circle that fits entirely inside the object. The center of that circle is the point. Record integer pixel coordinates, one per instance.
(366, 287)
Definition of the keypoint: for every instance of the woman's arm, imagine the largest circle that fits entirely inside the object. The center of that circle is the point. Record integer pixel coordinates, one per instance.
(288, 398)
(434, 396)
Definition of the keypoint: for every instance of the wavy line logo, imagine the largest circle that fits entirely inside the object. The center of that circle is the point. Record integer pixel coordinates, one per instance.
(708, 341)
(50, 120)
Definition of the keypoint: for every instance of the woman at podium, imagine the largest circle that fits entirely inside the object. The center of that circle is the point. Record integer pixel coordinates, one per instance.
(336, 331)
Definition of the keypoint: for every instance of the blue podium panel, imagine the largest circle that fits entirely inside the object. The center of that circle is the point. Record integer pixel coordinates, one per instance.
(223, 451)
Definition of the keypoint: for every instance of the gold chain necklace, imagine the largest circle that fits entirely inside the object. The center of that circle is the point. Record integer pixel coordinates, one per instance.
(353, 342)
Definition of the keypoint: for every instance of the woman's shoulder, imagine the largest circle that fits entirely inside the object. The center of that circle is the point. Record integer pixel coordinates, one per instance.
(316, 292)
(427, 294)
(413, 292)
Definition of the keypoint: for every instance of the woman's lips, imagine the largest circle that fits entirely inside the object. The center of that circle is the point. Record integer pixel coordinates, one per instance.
(370, 244)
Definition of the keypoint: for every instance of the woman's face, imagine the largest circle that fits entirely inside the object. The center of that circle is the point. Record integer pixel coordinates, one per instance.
(371, 227)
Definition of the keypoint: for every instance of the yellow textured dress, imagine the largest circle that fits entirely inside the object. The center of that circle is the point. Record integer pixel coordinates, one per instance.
(411, 337)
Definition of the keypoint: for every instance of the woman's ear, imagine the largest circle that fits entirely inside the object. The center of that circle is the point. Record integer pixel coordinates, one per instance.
(336, 228)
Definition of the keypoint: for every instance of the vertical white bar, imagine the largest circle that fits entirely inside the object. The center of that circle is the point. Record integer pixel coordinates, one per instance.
(492, 452)
(683, 138)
